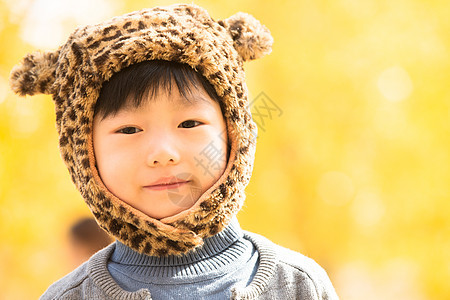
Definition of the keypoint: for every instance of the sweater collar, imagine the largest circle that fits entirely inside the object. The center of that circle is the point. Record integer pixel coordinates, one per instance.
(98, 272)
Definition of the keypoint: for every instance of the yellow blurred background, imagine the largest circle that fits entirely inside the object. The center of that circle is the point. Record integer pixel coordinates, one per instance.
(352, 168)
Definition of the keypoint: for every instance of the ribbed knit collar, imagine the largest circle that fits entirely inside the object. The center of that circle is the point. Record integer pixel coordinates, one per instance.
(217, 255)
(98, 272)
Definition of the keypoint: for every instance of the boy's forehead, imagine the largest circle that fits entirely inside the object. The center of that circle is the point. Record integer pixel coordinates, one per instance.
(194, 99)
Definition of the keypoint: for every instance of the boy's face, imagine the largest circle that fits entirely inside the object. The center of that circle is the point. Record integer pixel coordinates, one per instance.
(162, 156)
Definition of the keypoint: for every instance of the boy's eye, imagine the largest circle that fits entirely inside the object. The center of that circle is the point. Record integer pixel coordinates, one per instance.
(189, 124)
(129, 130)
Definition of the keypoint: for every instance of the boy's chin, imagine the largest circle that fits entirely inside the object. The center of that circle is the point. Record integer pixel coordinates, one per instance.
(174, 204)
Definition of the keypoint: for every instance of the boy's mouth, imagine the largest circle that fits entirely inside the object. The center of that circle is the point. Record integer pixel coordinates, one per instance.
(165, 183)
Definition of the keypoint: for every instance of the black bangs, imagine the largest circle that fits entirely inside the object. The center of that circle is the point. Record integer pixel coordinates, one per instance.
(144, 80)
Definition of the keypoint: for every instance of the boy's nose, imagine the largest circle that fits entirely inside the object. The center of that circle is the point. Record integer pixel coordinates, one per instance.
(162, 154)
(162, 162)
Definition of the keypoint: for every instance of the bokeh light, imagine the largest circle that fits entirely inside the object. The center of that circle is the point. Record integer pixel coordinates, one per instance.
(368, 209)
(394, 84)
(47, 23)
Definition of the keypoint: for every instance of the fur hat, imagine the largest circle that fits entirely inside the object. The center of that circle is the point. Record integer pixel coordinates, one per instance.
(74, 74)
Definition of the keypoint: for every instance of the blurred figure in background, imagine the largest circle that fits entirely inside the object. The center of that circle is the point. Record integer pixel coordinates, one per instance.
(85, 239)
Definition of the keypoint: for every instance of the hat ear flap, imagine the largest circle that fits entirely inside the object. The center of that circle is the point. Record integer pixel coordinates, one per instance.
(35, 74)
(252, 40)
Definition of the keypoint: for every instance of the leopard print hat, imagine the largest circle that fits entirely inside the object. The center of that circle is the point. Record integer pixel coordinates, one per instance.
(75, 72)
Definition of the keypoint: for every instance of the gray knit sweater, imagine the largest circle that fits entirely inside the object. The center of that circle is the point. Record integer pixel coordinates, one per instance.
(281, 274)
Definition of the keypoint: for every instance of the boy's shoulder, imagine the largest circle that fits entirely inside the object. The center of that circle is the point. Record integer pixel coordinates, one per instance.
(91, 280)
(68, 286)
(291, 272)
(286, 256)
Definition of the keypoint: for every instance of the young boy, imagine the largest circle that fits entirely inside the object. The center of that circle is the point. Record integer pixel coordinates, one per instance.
(155, 129)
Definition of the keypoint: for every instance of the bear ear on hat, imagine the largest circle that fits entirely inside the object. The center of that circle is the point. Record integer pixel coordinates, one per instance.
(35, 73)
(252, 40)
